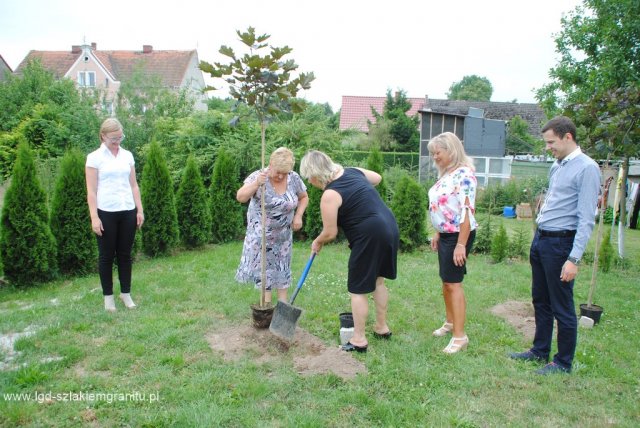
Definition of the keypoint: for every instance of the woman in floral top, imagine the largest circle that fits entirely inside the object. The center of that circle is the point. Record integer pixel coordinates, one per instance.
(452, 208)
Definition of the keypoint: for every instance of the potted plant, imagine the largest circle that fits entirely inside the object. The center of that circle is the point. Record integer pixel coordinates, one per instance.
(589, 309)
(264, 83)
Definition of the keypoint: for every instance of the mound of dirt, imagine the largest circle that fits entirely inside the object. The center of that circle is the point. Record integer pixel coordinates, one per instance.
(520, 315)
(309, 354)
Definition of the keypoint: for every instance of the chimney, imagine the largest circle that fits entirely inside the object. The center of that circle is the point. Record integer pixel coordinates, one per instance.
(75, 49)
(147, 48)
(94, 46)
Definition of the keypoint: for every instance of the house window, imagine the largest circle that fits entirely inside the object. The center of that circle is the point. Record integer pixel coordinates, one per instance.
(87, 79)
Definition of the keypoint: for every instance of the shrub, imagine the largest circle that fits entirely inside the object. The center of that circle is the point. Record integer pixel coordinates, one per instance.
(27, 246)
(160, 230)
(70, 220)
(484, 235)
(375, 163)
(194, 218)
(605, 253)
(519, 244)
(499, 245)
(226, 213)
(312, 217)
(410, 208)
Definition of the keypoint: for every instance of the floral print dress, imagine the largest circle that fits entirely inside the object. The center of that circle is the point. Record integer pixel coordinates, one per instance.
(447, 200)
(280, 209)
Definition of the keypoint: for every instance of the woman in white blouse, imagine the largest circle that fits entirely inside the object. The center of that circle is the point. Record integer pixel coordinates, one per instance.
(115, 207)
(452, 208)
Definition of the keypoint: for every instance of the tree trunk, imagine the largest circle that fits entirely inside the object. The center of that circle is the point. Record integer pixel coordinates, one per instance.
(263, 255)
(622, 222)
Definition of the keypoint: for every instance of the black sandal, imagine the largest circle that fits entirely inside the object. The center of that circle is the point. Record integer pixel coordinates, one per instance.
(385, 336)
(350, 347)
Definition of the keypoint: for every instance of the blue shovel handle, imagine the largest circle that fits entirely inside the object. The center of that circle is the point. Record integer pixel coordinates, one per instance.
(302, 278)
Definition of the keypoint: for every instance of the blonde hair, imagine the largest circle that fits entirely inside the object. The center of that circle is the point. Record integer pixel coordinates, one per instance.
(316, 164)
(110, 125)
(282, 160)
(450, 143)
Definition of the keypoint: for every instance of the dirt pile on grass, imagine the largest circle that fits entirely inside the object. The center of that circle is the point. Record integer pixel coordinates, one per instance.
(308, 353)
(519, 314)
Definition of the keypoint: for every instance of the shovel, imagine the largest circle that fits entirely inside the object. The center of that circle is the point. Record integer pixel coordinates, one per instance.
(285, 316)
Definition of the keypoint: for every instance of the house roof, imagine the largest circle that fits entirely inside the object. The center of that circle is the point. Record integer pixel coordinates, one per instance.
(356, 110)
(4, 68)
(170, 66)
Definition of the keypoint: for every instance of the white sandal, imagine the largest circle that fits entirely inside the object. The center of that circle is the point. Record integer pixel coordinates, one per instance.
(456, 344)
(444, 330)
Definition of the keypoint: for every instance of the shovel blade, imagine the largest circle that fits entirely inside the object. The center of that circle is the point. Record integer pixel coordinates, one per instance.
(285, 318)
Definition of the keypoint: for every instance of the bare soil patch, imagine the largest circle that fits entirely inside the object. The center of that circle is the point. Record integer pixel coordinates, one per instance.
(519, 314)
(309, 354)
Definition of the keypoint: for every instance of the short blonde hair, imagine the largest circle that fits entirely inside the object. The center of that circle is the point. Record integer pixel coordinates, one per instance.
(282, 160)
(316, 164)
(450, 143)
(110, 125)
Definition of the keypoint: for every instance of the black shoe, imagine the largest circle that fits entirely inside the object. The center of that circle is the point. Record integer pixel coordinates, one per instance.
(350, 347)
(385, 336)
(552, 368)
(527, 356)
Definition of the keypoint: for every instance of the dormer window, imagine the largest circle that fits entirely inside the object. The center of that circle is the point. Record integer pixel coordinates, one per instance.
(87, 79)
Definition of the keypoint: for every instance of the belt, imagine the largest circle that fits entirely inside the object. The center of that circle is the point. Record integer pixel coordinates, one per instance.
(557, 233)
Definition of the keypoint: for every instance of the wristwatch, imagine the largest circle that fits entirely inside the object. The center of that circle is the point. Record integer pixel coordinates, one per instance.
(573, 260)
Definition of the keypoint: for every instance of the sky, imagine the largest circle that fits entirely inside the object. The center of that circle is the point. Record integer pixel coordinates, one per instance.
(353, 47)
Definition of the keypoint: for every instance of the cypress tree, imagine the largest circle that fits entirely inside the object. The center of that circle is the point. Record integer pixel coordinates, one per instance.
(499, 245)
(194, 218)
(160, 230)
(375, 162)
(70, 221)
(312, 217)
(226, 213)
(409, 206)
(27, 246)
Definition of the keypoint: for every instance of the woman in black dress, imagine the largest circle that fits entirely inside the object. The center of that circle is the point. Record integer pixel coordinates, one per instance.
(351, 202)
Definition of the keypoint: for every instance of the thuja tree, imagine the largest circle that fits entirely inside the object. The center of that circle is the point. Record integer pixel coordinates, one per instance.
(376, 163)
(264, 82)
(226, 212)
(192, 209)
(27, 246)
(312, 217)
(499, 245)
(160, 231)
(70, 221)
(409, 206)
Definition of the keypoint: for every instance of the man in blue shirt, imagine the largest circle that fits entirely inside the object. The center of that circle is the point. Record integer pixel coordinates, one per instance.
(565, 223)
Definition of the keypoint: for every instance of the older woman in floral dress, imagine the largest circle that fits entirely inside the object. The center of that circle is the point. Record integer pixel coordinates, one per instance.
(286, 200)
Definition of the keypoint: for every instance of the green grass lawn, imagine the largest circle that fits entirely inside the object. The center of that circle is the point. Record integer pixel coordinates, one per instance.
(160, 349)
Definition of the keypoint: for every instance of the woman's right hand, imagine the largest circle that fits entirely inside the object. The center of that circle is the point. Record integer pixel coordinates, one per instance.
(434, 241)
(262, 177)
(96, 226)
(316, 246)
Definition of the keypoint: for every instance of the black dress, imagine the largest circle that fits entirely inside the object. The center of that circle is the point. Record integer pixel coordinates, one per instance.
(370, 228)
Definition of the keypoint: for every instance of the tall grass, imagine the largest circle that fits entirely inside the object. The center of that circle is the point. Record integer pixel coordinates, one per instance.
(160, 348)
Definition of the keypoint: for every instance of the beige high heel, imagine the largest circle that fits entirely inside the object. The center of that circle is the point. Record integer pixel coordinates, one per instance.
(126, 299)
(456, 344)
(444, 330)
(109, 304)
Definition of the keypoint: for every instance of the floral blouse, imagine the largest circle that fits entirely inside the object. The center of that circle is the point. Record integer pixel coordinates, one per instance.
(447, 200)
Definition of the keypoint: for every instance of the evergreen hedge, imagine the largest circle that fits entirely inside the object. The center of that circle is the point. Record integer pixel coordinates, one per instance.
(409, 206)
(160, 229)
(192, 209)
(70, 220)
(227, 222)
(27, 246)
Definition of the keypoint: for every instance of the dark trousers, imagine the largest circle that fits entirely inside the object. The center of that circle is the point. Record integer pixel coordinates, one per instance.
(553, 298)
(116, 242)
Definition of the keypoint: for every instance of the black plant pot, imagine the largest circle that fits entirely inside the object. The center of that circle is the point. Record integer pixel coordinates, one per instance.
(594, 312)
(346, 320)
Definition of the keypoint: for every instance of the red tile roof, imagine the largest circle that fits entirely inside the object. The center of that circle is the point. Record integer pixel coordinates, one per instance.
(355, 111)
(170, 66)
